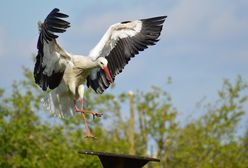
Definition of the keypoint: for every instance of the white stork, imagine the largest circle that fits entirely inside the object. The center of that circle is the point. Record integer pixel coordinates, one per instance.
(66, 74)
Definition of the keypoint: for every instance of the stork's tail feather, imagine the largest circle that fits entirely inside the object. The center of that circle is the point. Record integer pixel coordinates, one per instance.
(59, 106)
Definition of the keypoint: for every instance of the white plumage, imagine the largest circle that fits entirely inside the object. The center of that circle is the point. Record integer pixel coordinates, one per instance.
(66, 74)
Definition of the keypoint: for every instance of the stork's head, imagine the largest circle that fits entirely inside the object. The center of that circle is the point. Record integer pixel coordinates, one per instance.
(103, 64)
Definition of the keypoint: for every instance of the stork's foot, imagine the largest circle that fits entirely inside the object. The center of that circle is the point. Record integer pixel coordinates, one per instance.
(88, 133)
(94, 114)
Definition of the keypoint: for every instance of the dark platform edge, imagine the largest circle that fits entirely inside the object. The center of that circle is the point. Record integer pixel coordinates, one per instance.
(113, 160)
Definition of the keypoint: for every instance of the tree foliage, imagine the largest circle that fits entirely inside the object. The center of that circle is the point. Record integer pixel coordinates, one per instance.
(29, 137)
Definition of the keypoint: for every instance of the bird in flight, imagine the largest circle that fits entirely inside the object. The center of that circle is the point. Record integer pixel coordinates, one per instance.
(66, 74)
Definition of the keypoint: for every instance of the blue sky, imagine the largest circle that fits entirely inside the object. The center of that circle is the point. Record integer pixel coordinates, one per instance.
(202, 43)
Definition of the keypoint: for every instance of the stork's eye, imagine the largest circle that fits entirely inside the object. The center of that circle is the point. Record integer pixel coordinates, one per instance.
(101, 63)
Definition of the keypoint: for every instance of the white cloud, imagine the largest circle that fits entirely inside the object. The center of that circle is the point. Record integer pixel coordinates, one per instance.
(211, 19)
(99, 23)
(186, 17)
(228, 24)
(216, 30)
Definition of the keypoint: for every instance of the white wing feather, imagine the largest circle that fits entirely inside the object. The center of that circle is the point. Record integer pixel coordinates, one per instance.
(55, 59)
(112, 35)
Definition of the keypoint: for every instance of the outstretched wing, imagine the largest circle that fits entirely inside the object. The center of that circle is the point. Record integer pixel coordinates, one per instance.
(51, 59)
(120, 43)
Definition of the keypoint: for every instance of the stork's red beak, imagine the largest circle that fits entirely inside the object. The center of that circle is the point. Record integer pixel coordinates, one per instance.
(106, 70)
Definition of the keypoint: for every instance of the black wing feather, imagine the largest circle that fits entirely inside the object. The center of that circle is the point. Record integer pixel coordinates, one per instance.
(125, 49)
(52, 24)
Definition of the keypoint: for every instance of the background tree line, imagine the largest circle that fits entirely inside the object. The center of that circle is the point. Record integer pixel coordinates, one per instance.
(28, 138)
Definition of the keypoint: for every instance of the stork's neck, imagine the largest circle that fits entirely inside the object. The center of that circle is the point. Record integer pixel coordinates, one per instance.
(84, 62)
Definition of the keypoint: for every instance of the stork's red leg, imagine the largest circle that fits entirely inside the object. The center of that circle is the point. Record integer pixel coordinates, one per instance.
(88, 133)
(94, 114)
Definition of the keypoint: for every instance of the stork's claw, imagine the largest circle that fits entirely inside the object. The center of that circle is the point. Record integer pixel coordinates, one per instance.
(95, 114)
(89, 135)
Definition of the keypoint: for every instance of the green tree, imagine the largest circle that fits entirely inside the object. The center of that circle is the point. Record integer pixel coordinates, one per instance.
(210, 141)
(29, 137)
